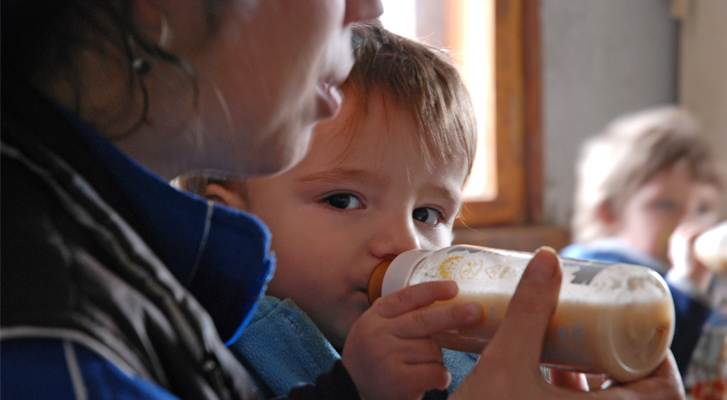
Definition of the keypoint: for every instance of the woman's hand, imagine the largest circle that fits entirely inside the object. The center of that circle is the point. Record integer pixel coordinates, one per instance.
(508, 367)
(389, 351)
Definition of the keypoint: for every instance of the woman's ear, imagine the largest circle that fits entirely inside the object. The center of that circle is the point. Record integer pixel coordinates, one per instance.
(157, 20)
(149, 16)
(222, 195)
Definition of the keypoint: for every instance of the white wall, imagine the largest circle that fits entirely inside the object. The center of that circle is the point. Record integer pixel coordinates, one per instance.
(601, 58)
(703, 69)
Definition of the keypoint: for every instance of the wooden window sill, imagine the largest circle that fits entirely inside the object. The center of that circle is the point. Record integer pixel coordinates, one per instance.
(522, 238)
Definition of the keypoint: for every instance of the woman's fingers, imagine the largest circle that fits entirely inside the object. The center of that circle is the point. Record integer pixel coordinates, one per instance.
(521, 335)
(508, 367)
(665, 383)
(568, 379)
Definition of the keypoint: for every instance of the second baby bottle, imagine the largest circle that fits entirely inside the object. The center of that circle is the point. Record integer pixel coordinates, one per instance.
(612, 319)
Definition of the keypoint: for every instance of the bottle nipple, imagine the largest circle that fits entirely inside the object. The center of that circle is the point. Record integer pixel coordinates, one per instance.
(376, 281)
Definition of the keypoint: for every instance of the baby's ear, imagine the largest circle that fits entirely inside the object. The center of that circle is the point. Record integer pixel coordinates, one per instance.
(222, 195)
(607, 216)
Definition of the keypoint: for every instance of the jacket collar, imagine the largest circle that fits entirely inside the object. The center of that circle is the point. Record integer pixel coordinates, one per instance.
(221, 255)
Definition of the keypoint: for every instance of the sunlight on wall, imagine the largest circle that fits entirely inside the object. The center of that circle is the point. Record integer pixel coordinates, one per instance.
(474, 37)
(400, 17)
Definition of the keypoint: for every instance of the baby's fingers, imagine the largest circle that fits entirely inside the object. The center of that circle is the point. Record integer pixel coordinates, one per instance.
(428, 321)
(430, 376)
(412, 318)
(414, 297)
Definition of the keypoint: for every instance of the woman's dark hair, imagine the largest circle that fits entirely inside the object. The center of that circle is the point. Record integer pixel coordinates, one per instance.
(42, 40)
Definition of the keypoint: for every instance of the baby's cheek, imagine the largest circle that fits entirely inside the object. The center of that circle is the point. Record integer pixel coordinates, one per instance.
(348, 320)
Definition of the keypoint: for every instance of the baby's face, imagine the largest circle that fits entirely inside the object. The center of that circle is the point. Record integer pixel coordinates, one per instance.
(705, 202)
(668, 199)
(334, 219)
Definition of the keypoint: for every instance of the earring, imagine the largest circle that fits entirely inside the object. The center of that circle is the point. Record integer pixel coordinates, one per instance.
(164, 34)
(141, 66)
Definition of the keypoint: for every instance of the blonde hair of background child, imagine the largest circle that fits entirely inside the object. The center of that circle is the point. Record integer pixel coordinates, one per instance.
(630, 151)
(417, 77)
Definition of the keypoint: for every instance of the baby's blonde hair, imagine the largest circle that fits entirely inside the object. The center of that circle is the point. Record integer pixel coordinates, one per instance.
(422, 80)
(627, 154)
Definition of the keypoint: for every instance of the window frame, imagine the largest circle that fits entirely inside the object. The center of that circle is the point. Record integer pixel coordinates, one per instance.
(517, 121)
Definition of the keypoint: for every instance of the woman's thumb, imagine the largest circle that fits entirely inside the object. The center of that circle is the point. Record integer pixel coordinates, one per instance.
(521, 335)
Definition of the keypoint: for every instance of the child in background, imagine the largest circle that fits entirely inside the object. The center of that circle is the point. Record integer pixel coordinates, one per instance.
(647, 178)
(382, 177)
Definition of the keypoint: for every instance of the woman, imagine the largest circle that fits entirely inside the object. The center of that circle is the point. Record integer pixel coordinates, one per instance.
(176, 86)
(116, 286)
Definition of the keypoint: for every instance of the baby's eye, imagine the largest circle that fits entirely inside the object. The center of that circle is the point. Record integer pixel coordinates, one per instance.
(666, 205)
(343, 201)
(427, 215)
(704, 208)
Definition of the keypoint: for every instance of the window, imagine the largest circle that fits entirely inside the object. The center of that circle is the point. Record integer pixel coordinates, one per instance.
(495, 43)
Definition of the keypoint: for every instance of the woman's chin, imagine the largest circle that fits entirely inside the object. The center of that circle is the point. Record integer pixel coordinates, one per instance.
(285, 160)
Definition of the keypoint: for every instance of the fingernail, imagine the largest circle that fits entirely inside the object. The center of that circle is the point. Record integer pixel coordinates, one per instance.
(473, 312)
(452, 287)
(541, 269)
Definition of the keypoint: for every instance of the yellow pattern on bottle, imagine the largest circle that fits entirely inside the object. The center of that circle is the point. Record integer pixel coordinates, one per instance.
(470, 270)
(448, 266)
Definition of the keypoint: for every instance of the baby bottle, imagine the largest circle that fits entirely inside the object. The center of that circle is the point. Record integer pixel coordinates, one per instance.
(710, 248)
(612, 319)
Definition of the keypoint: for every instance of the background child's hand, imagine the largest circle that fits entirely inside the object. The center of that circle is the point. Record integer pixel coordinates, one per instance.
(508, 367)
(681, 254)
(389, 351)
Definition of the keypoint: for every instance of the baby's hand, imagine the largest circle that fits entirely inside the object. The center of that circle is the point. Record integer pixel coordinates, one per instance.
(681, 254)
(389, 351)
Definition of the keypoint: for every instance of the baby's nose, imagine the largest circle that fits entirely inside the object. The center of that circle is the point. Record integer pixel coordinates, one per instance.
(394, 237)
